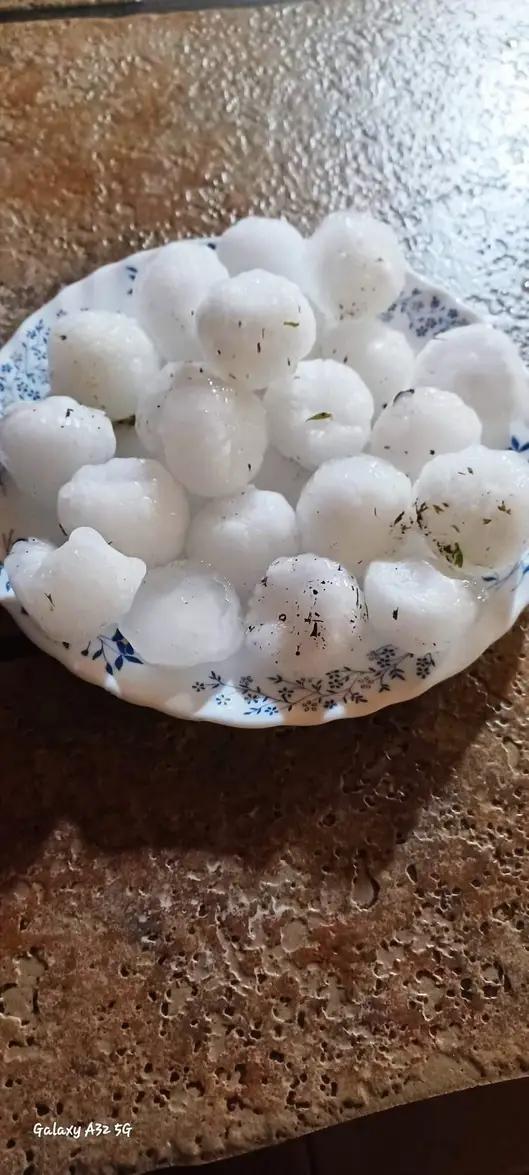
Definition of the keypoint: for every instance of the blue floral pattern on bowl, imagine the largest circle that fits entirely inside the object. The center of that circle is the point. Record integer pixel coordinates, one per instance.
(341, 686)
(25, 375)
(115, 650)
(426, 315)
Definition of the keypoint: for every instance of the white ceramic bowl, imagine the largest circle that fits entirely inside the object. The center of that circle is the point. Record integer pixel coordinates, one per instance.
(236, 693)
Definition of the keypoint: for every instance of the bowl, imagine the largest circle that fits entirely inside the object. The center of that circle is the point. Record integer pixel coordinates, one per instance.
(237, 692)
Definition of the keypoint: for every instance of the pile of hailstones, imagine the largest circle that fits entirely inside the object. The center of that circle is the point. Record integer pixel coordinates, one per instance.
(237, 363)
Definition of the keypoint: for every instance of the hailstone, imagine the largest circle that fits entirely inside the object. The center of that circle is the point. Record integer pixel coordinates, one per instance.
(473, 507)
(214, 436)
(168, 292)
(322, 411)
(260, 242)
(21, 566)
(103, 359)
(414, 606)
(356, 263)
(380, 355)
(255, 327)
(241, 535)
(133, 502)
(149, 410)
(184, 615)
(75, 591)
(421, 422)
(43, 442)
(354, 509)
(306, 617)
(481, 365)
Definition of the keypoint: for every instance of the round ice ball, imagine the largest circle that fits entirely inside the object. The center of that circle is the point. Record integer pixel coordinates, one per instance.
(149, 410)
(21, 565)
(481, 365)
(306, 617)
(103, 359)
(23, 514)
(241, 535)
(381, 355)
(184, 615)
(43, 442)
(133, 502)
(261, 242)
(255, 327)
(414, 606)
(356, 263)
(168, 292)
(421, 422)
(75, 591)
(354, 510)
(473, 507)
(322, 411)
(214, 436)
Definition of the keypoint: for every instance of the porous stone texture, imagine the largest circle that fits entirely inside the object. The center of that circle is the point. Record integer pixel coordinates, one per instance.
(120, 134)
(230, 938)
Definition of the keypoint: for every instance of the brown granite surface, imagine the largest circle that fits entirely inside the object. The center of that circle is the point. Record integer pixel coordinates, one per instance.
(117, 134)
(22, 6)
(230, 938)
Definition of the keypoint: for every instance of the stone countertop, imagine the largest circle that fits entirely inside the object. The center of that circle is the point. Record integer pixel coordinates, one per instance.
(230, 938)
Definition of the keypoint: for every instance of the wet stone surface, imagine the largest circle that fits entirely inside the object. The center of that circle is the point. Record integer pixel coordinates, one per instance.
(230, 938)
(133, 131)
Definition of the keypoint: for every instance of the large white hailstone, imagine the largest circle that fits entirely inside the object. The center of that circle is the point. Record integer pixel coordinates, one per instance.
(412, 605)
(133, 502)
(43, 442)
(149, 410)
(322, 326)
(322, 411)
(255, 327)
(75, 591)
(381, 355)
(356, 263)
(103, 359)
(214, 436)
(241, 535)
(481, 365)
(473, 507)
(22, 563)
(22, 514)
(168, 292)
(261, 242)
(354, 510)
(184, 615)
(306, 617)
(421, 422)
(282, 475)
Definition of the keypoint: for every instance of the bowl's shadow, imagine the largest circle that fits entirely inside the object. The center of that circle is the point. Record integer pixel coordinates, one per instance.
(342, 795)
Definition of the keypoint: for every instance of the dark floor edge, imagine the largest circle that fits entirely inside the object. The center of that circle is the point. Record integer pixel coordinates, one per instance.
(15, 647)
(117, 8)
